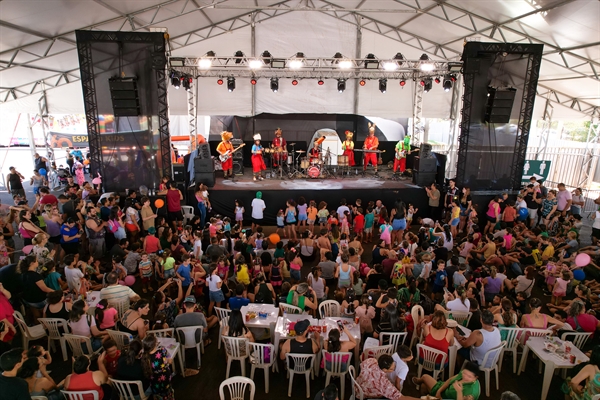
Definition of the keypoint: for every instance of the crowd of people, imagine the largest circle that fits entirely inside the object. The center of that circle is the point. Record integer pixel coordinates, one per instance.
(376, 261)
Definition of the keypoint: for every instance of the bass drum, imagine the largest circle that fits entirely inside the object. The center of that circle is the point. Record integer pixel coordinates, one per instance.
(314, 172)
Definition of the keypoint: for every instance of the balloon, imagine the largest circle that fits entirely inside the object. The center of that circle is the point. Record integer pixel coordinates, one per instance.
(42, 171)
(523, 213)
(159, 203)
(144, 190)
(129, 280)
(86, 162)
(97, 181)
(274, 238)
(27, 249)
(579, 275)
(122, 283)
(582, 260)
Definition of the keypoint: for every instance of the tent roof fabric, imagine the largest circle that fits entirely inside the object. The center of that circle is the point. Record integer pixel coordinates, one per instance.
(37, 43)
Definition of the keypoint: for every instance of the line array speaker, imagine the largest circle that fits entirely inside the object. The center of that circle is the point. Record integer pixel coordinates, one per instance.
(124, 96)
(499, 105)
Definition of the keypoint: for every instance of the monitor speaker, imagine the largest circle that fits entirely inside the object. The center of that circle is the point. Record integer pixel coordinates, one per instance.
(425, 151)
(424, 178)
(207, 178)
(499, 105)
(238, 167)
(124, 96)
(238, 155)
(203, 164)
(421, 164)
(178, 173)
(204, 151)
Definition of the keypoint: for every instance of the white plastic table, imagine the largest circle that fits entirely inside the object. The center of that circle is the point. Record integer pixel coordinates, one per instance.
(354, 329)
(93, 298)
(173, 348)
(281, 332)
(453, 349)
(552, 361)
(264, 323)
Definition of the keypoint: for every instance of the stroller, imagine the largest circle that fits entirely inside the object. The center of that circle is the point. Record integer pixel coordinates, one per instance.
(60, 177)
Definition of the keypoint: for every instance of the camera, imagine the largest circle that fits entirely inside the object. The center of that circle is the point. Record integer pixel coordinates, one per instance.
(2, 325)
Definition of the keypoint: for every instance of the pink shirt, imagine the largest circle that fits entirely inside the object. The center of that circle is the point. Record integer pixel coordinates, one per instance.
(109, 318)
(561, 198)
(561, 286)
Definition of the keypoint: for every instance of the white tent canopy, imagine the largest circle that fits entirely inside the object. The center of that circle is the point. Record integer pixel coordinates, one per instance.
(37, 43)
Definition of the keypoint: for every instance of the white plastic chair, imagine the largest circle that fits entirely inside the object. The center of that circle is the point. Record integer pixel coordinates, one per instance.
(188, 213)
(462, 318)
(290, 309)
(237, 388)
(329, 308)
(164, 333)
(394, 338)
(75, 343)
(578, 338)
(236, 348)
(337, 367)
(491, 360)
(186, 335)
(429, 360)
(56, 327)
(357, 392)
(121, 306)
(80, 395)
(222, 314)
(125, 389)
(29, 332)
(377, 351)
(258, 359)
(417, 314)
(300, 367)
(123, 339)
(512, 344)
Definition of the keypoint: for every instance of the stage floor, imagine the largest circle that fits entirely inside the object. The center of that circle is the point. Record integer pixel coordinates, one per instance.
(353, 181)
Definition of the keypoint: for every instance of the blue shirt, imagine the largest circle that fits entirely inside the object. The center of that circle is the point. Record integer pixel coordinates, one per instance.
(70, 232)
(52, 280)
(279, 220)
(184, 271)
(235, 303)
(369, 218)
(440, 278)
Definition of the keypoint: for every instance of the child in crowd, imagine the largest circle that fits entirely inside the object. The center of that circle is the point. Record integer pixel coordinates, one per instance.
(280, 223)
(73, 274)
(239, 211)
(145, 268)
(197, 249)
(226, 224)
(302, 213)
(106, 316)
(323, 213)
(369, 222)
(410, 213)
(186, 238)
(53, 279)
(290, 219)
(167, 264)
(560, 287)
(312, 216)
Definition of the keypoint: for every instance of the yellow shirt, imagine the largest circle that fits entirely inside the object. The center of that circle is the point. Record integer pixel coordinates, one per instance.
(548, 252)
(242, 275)
(455, 212)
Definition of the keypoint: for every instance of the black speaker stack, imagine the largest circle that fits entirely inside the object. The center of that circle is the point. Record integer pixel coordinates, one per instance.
(499, 105)
(238, 157)
(204, 171)
(124, 96)
(425, 167)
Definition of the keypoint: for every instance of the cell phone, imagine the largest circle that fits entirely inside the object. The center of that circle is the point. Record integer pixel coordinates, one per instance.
(340, 325)
(2, 326)
(462, 333)
(446, 290)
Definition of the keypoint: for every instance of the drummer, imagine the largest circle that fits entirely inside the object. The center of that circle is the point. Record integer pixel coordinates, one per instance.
(371, 143)
(280, 146)
(348, 147)
(258, 163)
(315, 152)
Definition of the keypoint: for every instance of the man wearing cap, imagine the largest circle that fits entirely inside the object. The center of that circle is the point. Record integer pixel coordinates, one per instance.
(14, 182)
(192, 318)
(225, 148)
(258, 164)
(258, 207)
(301, 344)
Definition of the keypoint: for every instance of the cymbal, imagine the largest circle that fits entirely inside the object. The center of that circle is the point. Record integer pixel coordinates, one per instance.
(300, 151)
(292, 144)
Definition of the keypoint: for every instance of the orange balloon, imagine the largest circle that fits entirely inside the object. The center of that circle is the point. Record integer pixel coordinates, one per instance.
(274, 238)
(159, 203)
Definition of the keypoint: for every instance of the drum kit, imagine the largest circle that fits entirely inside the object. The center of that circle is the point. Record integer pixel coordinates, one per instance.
(295, 164)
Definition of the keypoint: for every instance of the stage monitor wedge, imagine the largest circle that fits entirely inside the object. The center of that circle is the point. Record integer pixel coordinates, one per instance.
(124, 96)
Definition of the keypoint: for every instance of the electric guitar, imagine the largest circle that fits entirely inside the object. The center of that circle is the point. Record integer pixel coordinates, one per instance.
(227, 155)
(403, 153)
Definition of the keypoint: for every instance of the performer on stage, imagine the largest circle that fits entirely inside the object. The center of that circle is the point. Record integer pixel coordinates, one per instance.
(279, 143)
(371, 143)
(348, 147)
(402, 150)
(258, 164)
(315, 152)
(226, 148)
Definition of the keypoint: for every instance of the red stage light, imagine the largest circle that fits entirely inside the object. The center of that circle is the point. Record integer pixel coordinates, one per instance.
(437, 80)
(362, 82)
(219, 81)
(253, 81)
(402, 83)
(321, 82)
(294, 82)
(422, 83)
(453, 78)
(191, 79)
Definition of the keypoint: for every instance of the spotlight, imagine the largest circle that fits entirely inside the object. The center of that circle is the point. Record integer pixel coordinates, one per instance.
(297, 62)
(390, 66)
(231, 83)
(402, 82)
(342, 62)
(428, 84)
(453, 77)
(382, 85)
(341, 85)
(426, 63)
(362, 82)
(437, 80)
(219, 81)
(447, 83)
(274, 84)
(186, 81)
(255, 64)
(239, 55)
(279, 64)
(266, 57)
(371, 62)
(320, 82)
(253, 81)
(175, 79)
(206, 61)
(295, 82)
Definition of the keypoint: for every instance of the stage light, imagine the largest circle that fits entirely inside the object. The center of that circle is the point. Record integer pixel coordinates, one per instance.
(454, 66)
(437, 80)
(239, 56)
(266, 57)
(279, 64)
(253, 81)
(428, 85)
(390, 66)
(447, 83)
(186, 81)
(274, 84)
(453, 77)
(206, 61)
(295, 82)
(255, 64)
(341, 61)
(175, 79)
(371, 62)
(362, 82)
(297, 62)
(426, 63)
(402, 82)
(219, 81)
(382, 85)
(231, 83)
(320, 82)
(341, 85)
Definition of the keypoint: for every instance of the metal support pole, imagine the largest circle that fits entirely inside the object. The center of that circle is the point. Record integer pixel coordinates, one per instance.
(454, 127)
(589, 162)
(44, 112)
(253, 54)
(31, 138)
(191, 97)
(547, 118)
(418, 130)
(357, 55)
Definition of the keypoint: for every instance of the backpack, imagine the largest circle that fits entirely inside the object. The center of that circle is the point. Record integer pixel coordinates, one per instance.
(427, 304)
(112, 226)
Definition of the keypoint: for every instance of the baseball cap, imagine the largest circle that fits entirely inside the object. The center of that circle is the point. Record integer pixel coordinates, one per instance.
(301, 326)
(190, 299)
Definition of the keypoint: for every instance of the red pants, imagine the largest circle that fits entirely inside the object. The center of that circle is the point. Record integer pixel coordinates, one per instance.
(372, 157)
(279, 159)
(350, 154)
(258, 164)
(401, 163)
(227, 165)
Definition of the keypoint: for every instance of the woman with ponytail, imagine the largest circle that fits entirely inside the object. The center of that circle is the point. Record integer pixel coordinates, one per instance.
(156, 364)
(456, 302)
(445, 233)
(129, 367)
(334, 345)
(504, 315)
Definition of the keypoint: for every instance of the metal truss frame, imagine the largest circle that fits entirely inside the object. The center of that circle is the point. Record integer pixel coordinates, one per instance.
(192, 121)
(418, 130)
(455, 115)
(590, 161)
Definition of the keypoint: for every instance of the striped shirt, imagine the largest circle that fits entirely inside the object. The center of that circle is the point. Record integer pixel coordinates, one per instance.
(117, 294)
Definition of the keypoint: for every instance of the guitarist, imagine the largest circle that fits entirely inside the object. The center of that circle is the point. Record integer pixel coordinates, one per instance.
(258, 164)
(226, 148)
(279, 143)
(402, 150)
(371, 143)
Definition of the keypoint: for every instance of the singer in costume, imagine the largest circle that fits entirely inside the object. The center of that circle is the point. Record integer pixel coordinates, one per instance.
(371, 143)
(280, 146)
(348, 147)
(402, 150)
(258, 164)
(226, 148)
